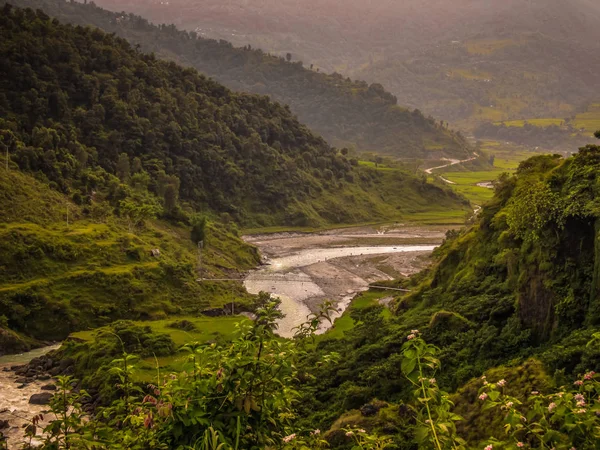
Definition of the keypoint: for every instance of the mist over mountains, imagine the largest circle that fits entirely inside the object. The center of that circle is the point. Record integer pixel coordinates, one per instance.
(434, 55)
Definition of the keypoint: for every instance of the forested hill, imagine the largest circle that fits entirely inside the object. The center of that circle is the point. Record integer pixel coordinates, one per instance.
(518, 291)
(347, 113)
(98, 119)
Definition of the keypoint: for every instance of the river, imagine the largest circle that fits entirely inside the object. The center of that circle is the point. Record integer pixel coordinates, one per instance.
(14, 397)
(303, 270)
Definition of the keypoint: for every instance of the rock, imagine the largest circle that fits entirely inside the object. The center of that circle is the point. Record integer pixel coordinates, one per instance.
(31, 373)
(48, 387)
(41, 399)
(369, 410)
(15, 368)
(64, 363)
(4, 424)
(6, 369)
(55, 371)
(48, 364)
(23, 380)
(43, 377)
(22, 386)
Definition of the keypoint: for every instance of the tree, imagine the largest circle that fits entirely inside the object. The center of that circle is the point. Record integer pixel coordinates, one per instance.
(138, 208)
(170, 198)
(123, 169)
(198, 229)
(137, 165)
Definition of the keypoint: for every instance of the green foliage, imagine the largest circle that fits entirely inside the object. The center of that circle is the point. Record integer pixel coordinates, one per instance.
(59, 279)
(563, 420)
(236, 395)
(436, 426)
(492, 297)
(198, 229)
(155, 139)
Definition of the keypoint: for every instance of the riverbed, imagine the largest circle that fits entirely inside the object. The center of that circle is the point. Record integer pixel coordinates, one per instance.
(304, 270)
(14, 397)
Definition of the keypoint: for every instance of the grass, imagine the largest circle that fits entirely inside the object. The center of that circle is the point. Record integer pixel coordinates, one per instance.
(470, 74)
(589, 120)
(208, 329)
(506, 159)
(488, 46)
(58, 278)
(381, 166)
(542, 123)
(345, 323)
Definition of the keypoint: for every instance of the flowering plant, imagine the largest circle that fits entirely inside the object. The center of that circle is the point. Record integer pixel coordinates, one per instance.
(435, 421)
(568, 419)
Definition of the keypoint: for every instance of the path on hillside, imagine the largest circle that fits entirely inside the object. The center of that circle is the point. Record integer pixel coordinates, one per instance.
(451, 162)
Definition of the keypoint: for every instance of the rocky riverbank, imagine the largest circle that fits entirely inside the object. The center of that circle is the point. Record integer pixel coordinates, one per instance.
(26, 391)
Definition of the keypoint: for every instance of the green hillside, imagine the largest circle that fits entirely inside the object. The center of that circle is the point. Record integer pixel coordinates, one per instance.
(58, 278)
(517, 292)
(347, 113)
(113, 153)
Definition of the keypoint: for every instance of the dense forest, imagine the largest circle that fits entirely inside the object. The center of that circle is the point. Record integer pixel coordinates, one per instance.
(347, 113)
(87, 111)
(112, 153)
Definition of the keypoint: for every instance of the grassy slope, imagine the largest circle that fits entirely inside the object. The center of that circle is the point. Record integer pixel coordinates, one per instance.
(57, 279)
(206, 330)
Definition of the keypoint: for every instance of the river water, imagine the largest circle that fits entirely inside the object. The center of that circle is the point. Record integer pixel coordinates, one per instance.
(14, 397)
(306, 277)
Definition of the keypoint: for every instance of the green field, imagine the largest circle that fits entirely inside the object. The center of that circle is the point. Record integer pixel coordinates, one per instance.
(542, 123)
(208, 329)
(506, 159)
(589, 121)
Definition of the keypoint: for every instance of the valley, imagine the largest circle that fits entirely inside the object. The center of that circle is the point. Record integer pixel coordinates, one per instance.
(212, 237)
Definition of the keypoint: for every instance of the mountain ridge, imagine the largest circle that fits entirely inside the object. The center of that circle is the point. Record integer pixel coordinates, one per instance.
(347, 113)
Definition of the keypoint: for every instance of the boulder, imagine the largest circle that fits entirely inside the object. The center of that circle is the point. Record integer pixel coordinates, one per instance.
(42, 398)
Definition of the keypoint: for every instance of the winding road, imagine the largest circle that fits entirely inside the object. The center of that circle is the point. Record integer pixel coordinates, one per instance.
(451, 162)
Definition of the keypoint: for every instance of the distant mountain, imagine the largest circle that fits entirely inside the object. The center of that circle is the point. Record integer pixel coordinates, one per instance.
(467, 61)
(347, 113)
